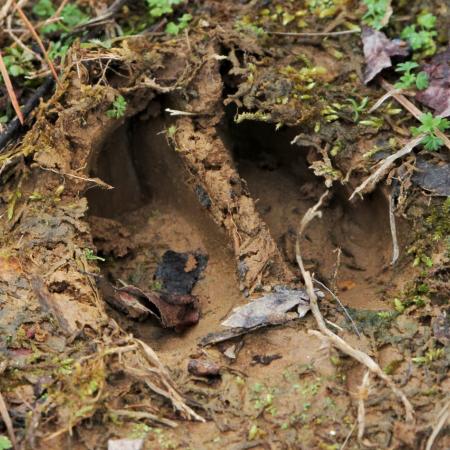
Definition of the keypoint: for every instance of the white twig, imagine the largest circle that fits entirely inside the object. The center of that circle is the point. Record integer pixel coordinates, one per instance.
(362, 395)
(334, 339)
(395, 248)
(349, 317)
(175, 112)
(370, 182)
(443, 416)
(382, 99)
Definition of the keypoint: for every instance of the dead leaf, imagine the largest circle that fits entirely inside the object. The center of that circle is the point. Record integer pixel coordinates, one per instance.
(269, 309)
(378, 50)
(433, 177)
(178, 272)
(171, 310)
(437, 94)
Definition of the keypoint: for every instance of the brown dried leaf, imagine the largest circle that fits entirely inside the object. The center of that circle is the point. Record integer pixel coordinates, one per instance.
(437, 94)
(378, 50)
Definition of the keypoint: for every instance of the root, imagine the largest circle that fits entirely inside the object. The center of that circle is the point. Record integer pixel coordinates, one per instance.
(443, 416)
(369, 183)
(334, 339)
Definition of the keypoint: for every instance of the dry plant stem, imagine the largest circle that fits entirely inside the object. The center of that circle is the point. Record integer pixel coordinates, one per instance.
(312, 34)
(7, 421)
(96, 181)
(143, 415)
(362, 395)
(334, 339)
(175, 397)
(348, 436)
(349, 317)
(395, 248)
(443, 416)
(10, 89)
(5, 9)
(373, 179)
(38, 40)
(382, 99)
(416, 112)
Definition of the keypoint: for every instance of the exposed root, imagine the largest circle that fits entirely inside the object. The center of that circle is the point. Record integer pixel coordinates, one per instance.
(369, 183)
(443, 416)
(4, 414)
(395, 247)
(362, 395)
(334, 339)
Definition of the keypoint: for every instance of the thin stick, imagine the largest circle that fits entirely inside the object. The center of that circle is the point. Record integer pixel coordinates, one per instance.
(348, 436)
(443, 416)
(10, 89)
(362, 395)
(382, 99)
(144, 415)
(34, 33)
(416, 112)
(370, 182)
(7, 421)
(395, 248)
(312, 34)
(335, 340)
(349, 317)
(5, 9)
(96, 181)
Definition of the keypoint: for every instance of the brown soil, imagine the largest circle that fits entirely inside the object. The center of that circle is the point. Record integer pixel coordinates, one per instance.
(153, 209)
(236, 193)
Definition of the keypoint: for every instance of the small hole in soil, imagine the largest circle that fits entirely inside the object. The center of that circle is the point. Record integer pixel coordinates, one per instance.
(279, 178)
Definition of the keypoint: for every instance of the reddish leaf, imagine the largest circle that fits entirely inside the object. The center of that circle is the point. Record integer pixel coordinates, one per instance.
(437, 94)
(378, 50)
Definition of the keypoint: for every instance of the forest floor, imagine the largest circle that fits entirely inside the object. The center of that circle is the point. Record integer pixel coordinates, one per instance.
(169, 153)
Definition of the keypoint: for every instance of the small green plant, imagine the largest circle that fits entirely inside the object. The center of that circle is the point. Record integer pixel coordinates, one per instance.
(91, 256)
(5, 443)
(357, 108)
(118, 109)
(421, 35)
(410, 79)
(175, 28)
(71, 16)
(430, 356)
(430, 124)
(17, 61)
(160, 8)
(376, 11)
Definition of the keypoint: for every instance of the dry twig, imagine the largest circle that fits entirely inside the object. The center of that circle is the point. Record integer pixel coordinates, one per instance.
(4, 414)
(10, 89)
(443, 416)
(416, 112)
(334, 339)
(362, 395)
(313, 34)
(395, 248)
(370, 182)
(38, 40)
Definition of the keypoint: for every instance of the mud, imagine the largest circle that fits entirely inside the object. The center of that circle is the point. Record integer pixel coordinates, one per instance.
(202, 184)
(155, 208)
